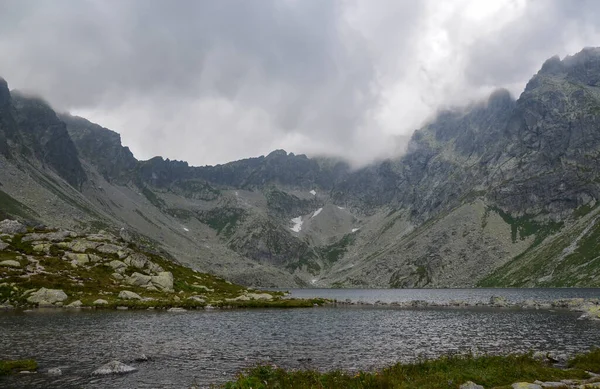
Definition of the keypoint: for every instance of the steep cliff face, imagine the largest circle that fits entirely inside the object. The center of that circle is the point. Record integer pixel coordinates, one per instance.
(29, 128)
(502, 192)
(101, 147)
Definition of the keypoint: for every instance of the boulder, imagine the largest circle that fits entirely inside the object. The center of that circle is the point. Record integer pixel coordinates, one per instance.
(77, 257)
(176, 310)
(163, 281)
(57, 236)
(75, 304)
(117, 265)
(100, 302)
(128, 295)
(12, 227)
(138, 279)
(55, 371)
(114, 367)
(42, 247)
(260, 296)
(154, 268)
(499, 301)
(3, 245)
(109, 248)
(10, 263)
(125, 235)
(550, 384)
(470, 385)
(137, 260)
(80, 245)
(525, 385)
(94, 258)
(123, 253)
(197, 299)
(117, 276)
(48, 296)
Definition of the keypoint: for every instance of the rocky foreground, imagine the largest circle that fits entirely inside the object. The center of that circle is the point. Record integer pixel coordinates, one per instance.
(530, 371)
(41, 267)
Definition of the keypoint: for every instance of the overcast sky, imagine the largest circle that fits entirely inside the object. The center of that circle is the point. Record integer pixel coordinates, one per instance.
(214, 81)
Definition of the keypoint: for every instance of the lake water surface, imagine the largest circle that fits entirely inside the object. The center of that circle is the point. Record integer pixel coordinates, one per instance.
(210, 347)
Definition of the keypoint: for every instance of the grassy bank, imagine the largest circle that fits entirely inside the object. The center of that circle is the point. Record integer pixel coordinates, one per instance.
(446, 372)
(12, 367)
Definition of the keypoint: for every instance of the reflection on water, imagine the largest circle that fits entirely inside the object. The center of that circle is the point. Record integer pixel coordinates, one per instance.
(212, 346)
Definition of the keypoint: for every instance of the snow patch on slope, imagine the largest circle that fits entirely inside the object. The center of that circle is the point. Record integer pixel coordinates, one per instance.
(313, 192)
(355, 229)
(318, 211)
(297, 224)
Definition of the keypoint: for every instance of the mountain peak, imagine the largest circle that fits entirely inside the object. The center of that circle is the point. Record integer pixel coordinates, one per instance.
(4, 92)
(277, 153)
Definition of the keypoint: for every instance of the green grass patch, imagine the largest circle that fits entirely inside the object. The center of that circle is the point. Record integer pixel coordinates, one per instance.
(525, 226)
(12, 367)
(224, 220)
(153, 198)
(11, 207)
(589, 361)
(336, 251)
(445, 372)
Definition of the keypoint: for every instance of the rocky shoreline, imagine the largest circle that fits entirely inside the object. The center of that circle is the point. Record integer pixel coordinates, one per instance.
(42, 267)
(589, 308)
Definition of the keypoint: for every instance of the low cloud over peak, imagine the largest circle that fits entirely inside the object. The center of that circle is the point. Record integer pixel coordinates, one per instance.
(210, 82)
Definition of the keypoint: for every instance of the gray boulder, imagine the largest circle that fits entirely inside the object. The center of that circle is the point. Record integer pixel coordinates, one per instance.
(109, 248)
(176, 310)
(55, 371)
(48, 296)
(137, 260)
(525, 385)
(163, 281)
(470, 385)
(138, 279)
(80, 258)
(499, 301)
(75, 304)
(10, 263)
(3, 245)
(117, 265)
(12, 227)
(100, 302)
(114, 367)
(128, 295)
(57, 236)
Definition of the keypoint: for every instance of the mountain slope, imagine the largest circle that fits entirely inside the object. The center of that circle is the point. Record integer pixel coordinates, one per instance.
(498, 193)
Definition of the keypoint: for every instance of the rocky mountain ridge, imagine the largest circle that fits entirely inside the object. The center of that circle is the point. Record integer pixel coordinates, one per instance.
(500, 193)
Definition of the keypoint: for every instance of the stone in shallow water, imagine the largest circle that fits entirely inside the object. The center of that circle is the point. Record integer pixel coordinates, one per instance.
(75, 304)
(470, 385)
(55, 371)
(114, 367)
(176, 310)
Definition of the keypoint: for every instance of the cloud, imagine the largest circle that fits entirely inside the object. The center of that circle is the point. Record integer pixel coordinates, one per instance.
(213, 81)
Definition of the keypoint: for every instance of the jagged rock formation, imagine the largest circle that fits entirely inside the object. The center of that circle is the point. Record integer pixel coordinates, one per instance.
(502, 192)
